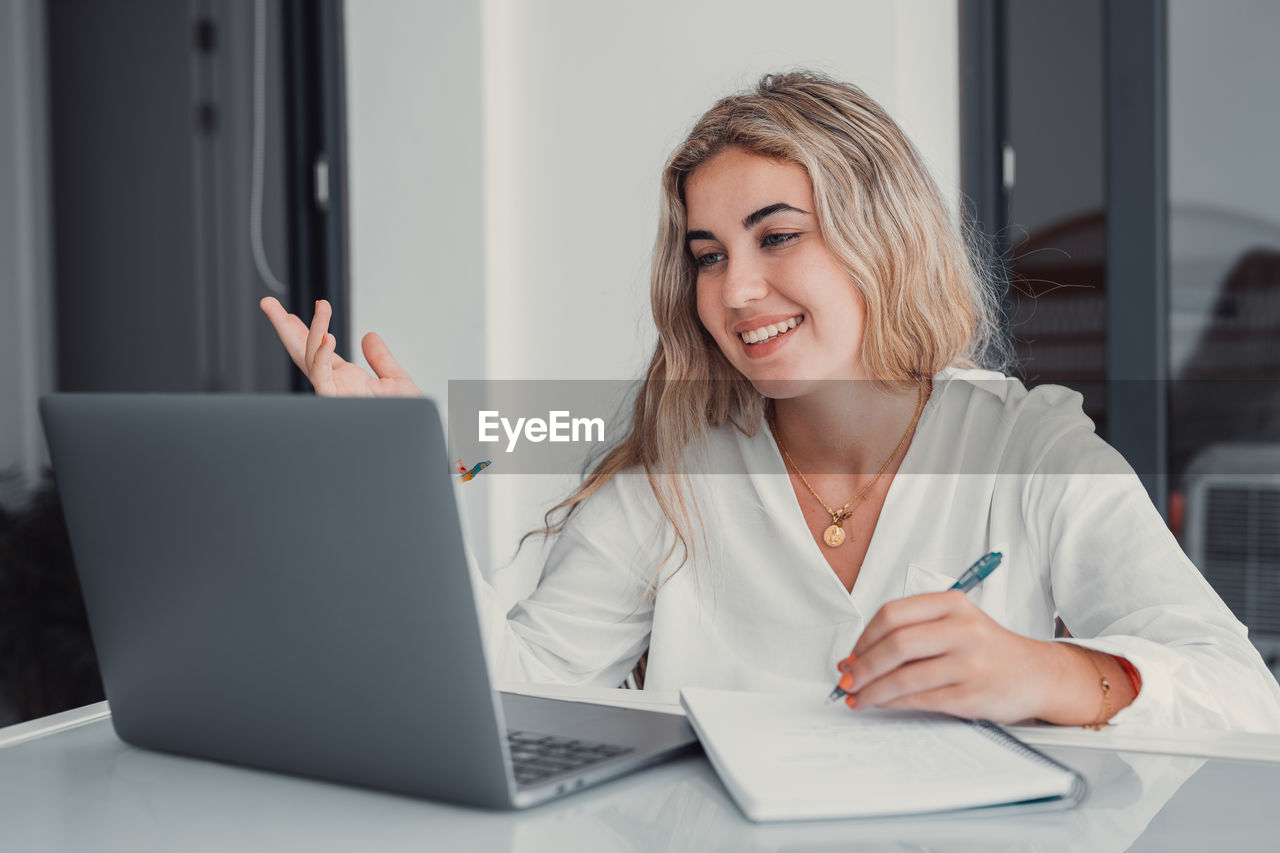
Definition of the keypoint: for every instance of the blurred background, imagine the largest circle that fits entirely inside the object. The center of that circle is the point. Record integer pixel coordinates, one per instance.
(478, 183)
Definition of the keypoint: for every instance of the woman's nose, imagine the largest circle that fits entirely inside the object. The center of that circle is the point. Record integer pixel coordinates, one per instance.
(744, 283)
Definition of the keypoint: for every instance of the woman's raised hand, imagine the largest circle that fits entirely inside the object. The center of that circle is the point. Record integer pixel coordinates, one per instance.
(313, 350)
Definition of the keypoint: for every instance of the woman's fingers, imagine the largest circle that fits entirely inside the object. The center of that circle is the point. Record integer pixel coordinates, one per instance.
(940, 652)
(316, 335)
(322, 371)
(915, 675)
(314, 351)
(291, 330)
(948, 698)
(884, 660)
(380, 359)
(907, 611)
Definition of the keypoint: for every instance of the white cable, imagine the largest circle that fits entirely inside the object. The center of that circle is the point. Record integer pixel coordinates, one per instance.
(259, 150)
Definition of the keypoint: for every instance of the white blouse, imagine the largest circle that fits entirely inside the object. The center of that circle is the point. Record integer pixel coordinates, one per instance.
(992, 467)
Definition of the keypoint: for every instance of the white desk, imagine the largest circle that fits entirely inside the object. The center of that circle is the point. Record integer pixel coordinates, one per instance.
(68, 783)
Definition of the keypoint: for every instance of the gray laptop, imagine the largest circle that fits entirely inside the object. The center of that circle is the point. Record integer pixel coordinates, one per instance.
(280, 582)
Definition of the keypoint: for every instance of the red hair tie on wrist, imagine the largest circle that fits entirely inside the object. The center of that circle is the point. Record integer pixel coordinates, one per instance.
(1130, 670)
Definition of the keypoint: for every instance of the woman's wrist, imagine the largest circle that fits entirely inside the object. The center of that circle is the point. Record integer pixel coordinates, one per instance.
(1082, 687)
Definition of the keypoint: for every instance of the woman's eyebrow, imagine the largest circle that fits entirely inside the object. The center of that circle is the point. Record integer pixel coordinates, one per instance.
(752, 219)
(769, 210)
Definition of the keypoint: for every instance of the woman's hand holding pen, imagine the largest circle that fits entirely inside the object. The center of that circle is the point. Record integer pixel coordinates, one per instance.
(313, 350)
(940, 652)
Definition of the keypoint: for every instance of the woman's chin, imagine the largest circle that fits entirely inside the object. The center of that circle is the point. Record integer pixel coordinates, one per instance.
(782, 388)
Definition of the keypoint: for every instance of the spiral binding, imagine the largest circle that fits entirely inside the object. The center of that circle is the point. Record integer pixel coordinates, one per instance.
(995, 733)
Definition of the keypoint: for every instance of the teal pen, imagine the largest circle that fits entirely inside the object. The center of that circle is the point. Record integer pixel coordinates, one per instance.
(972, 576)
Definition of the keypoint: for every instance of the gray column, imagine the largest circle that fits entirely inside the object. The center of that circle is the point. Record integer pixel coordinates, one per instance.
(1137, 238)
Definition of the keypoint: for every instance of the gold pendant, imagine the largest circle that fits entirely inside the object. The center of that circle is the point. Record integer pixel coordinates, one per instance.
(833, 536)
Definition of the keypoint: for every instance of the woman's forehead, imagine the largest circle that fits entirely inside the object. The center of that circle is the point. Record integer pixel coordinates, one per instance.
(735, 182)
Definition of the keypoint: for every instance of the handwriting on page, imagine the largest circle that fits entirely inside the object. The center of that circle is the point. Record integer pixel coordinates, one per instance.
(915, 749)
(791, 757)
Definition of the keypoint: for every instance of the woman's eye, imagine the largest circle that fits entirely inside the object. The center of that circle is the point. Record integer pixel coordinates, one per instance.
(778, 239)
(710, 259)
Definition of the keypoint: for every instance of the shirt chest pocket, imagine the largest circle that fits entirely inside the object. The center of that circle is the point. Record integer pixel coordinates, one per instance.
(937, 576)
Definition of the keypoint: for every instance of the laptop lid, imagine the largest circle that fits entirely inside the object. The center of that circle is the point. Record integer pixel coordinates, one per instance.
(280, 582)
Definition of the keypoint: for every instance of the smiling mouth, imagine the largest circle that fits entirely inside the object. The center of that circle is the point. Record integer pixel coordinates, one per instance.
(771, 331)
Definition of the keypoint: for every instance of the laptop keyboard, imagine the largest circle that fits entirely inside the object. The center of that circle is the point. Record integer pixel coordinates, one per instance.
(537, 757)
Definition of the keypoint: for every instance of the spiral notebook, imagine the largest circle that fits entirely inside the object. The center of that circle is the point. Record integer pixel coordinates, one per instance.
(798, 758)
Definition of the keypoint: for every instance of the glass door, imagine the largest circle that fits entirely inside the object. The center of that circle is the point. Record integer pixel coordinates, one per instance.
(1224, 301)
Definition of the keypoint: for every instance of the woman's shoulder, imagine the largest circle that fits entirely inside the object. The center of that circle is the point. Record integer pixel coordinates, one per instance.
(999, 420)
(971, 392)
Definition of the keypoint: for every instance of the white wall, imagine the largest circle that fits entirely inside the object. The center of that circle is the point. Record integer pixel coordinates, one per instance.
(581, 104)
(414, 104)
(416, 192)
(586, 100)
(26, 352)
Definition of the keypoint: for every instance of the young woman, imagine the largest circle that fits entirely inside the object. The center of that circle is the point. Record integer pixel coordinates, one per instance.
(815, 457)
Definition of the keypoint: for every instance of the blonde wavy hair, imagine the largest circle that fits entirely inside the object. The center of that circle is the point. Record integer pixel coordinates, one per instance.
(881, 215)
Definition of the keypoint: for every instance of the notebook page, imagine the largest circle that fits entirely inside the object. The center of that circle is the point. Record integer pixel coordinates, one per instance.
(792, 757)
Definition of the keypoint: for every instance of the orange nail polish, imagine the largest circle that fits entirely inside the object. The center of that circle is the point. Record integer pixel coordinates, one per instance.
(846, 682)
(851, 701)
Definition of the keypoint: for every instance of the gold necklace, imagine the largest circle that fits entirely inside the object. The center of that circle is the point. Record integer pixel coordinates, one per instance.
(834, 535)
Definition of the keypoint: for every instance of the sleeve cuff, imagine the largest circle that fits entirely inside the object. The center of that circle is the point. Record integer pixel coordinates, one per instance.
(1155, 695)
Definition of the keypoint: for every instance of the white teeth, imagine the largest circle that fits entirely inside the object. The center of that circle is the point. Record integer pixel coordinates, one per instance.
(772, 330)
